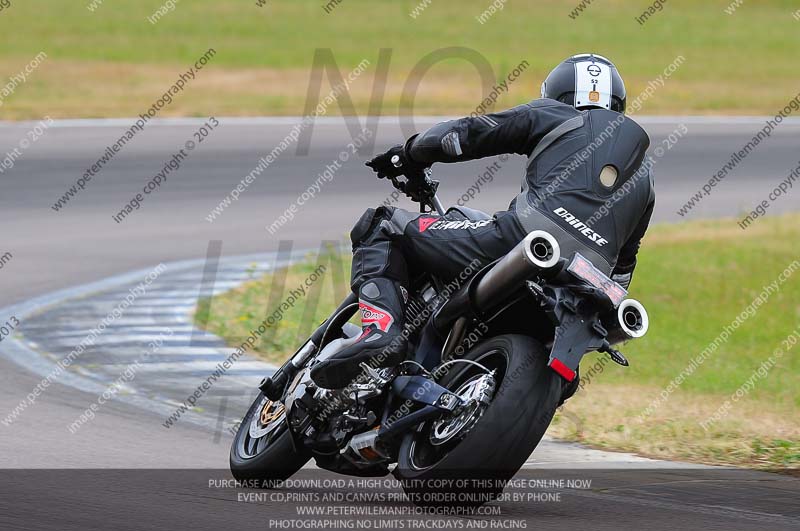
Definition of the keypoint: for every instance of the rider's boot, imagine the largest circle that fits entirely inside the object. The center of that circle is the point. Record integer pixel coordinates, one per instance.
(382, 342)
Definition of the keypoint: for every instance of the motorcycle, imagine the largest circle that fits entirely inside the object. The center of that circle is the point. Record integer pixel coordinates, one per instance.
(490, 360)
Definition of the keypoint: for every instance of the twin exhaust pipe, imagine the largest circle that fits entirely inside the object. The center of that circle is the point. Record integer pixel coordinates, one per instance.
(540, 254)
(631, 322)
(537, 253)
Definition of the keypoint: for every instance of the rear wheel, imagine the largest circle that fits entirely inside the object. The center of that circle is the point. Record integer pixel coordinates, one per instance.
(263, 448)
(472, 454)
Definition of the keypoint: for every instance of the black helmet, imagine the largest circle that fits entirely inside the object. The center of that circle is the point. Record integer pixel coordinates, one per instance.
(586, 81)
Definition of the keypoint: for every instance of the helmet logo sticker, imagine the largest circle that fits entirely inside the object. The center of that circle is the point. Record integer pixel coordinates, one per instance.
(592, 84)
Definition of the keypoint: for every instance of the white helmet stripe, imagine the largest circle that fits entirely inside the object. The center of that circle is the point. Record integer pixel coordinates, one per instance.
(592, 84)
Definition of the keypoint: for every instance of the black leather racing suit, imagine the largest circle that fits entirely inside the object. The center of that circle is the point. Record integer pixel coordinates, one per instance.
(561, 192)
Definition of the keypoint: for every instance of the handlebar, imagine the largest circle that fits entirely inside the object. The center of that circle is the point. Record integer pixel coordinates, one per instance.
(425, 187)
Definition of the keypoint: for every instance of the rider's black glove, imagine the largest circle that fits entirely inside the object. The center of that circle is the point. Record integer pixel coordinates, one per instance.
(383, 166)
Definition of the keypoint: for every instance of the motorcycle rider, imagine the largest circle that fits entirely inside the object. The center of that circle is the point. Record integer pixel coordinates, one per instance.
(581, 150)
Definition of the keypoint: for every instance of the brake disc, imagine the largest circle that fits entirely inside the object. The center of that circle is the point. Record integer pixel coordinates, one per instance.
(270, 416)
(477, 393)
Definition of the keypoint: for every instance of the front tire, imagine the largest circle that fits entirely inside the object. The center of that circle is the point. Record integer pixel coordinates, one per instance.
(476, 466)
(272, 456)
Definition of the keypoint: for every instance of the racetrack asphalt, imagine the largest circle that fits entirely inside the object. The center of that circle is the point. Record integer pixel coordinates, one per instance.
(82, 244)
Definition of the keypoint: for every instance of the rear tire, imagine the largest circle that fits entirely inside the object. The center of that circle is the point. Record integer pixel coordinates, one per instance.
(526, 396)
(270, 460)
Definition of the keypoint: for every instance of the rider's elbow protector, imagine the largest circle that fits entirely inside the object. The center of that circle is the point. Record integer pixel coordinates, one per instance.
(441, 143)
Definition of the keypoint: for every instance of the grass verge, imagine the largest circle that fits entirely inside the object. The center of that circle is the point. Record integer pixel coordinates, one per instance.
(291, 302)
(110, 60)
(696, 279)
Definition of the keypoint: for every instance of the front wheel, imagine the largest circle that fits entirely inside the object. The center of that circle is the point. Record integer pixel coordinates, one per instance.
(263, 448)
(474, 453)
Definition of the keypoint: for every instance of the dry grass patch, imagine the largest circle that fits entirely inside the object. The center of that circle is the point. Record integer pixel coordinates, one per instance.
(756, 434)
